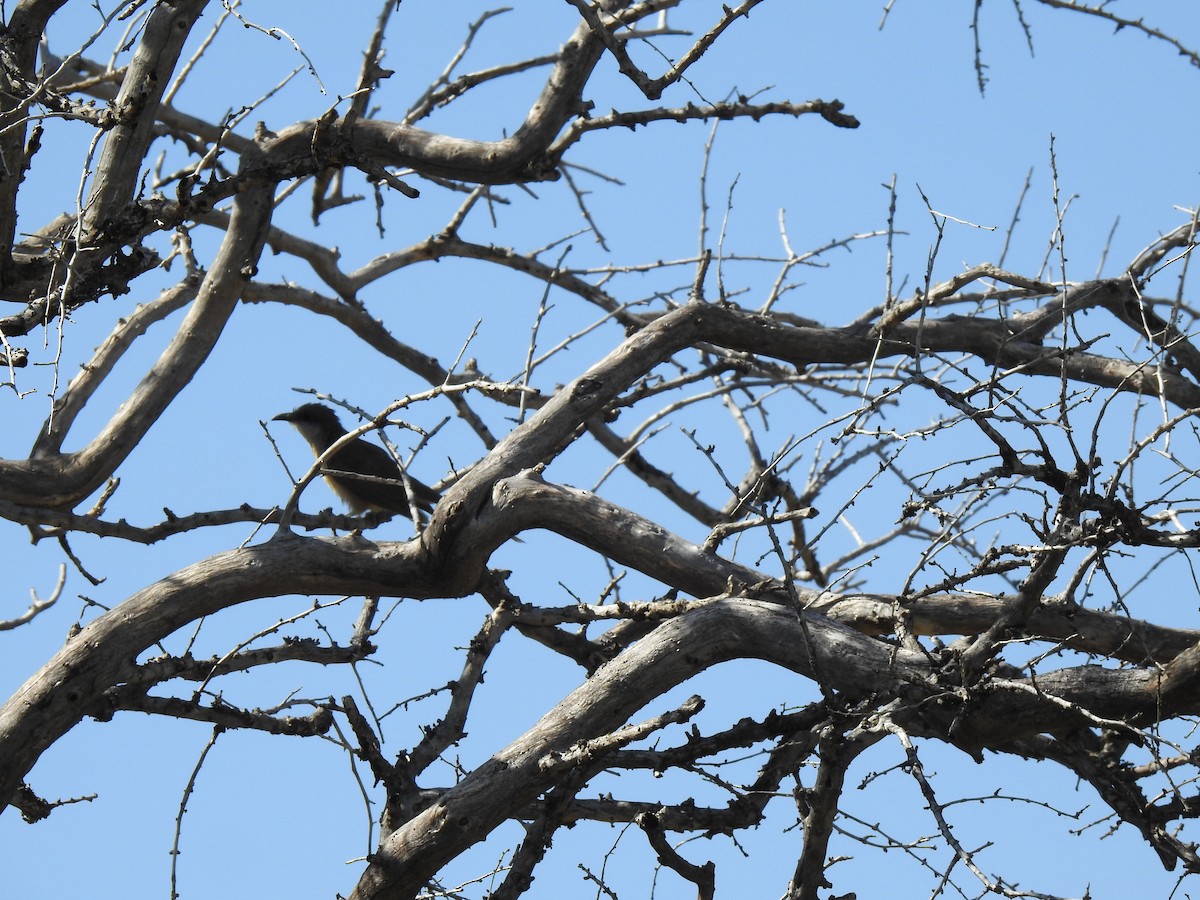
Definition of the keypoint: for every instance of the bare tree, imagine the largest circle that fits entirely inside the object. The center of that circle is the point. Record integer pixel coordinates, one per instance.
(1026, 440)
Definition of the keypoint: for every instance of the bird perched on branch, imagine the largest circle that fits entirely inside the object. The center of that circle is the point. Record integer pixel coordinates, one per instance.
(363, 474)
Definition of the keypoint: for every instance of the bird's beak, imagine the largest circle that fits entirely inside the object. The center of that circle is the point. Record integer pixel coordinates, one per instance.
(282, 417)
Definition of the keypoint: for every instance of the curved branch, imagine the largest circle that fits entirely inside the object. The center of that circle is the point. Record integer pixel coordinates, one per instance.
(63, 480)
(676, 651)
(103, 654)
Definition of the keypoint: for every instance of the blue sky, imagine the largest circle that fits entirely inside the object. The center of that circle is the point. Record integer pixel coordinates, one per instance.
(271, 816)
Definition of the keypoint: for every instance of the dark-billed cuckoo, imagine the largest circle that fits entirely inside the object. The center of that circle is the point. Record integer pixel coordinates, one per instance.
(364, 475)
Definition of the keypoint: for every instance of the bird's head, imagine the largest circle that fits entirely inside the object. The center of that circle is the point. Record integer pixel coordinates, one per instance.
(318, 424)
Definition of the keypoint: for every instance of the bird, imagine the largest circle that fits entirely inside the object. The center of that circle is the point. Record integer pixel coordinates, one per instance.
(362, 474)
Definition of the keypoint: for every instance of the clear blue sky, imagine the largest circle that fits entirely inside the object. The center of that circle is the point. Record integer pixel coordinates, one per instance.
(276, 817)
